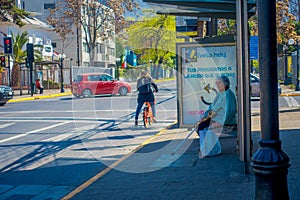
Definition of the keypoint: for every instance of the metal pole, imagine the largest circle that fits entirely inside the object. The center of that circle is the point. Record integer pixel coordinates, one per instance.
(244, 122)
(31, 78)
(61, 75)
(71, 78)
(9, 76)
(297, 73)
(78, 55)
(270, 163)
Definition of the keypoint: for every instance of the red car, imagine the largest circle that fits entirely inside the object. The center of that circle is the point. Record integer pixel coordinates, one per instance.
(91, 84)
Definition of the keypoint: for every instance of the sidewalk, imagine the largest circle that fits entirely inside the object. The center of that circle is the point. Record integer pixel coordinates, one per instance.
(288, 91)
(188, 177)
(51, 93)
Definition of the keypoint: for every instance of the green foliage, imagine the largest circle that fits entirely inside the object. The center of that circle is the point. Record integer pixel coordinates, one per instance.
(10, 12)
(19, 41)
(297, 28)
(153, 38)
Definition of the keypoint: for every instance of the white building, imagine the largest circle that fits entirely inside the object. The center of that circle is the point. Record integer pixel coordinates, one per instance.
(73, 49)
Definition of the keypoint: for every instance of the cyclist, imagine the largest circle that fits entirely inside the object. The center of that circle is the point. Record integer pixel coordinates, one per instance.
(144, 83)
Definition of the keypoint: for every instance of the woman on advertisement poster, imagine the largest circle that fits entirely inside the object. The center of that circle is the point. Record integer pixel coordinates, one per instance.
(221, 115)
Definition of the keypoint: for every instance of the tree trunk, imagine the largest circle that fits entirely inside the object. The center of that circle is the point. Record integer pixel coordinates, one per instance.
(15, 76)
(92, 57)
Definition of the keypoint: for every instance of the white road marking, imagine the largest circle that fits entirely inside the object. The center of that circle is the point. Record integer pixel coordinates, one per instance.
(291, 101)
(58, 137)
(35, 131)
(6, 125)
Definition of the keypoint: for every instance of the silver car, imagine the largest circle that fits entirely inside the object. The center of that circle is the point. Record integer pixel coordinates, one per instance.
(255, 86)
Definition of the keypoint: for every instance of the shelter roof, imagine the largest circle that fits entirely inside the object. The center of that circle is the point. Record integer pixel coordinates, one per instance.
(200, 8)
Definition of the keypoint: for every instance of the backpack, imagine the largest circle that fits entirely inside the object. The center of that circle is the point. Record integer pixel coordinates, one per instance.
(145, 86)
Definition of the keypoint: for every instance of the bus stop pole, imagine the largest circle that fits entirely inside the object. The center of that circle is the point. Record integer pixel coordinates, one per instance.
(243, 90)
(270, 164)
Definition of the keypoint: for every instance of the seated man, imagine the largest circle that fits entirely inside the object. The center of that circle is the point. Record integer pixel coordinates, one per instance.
(39, 86)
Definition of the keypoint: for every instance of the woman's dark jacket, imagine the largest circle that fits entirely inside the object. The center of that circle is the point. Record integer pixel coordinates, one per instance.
(145, 91)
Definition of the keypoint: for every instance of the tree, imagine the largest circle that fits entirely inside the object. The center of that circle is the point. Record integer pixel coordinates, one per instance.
(9, 12)
(154, 38)
(285, 22)
(18, 56)
(99, 21)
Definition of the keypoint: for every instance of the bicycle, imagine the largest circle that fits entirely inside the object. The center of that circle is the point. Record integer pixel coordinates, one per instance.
(147, 115)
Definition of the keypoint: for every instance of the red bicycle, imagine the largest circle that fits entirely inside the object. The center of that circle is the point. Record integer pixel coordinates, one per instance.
(147, 115)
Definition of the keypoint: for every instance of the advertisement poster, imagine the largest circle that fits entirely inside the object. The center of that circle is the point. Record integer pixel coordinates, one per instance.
(199, 67)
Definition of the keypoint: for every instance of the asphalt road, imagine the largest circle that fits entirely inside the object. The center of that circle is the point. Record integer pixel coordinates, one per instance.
(49, 147)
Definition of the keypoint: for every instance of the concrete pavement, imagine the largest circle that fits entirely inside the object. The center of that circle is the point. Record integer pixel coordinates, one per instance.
(185, 176)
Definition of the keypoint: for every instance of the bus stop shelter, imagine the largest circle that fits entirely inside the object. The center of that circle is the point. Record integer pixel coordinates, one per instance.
(226, 9)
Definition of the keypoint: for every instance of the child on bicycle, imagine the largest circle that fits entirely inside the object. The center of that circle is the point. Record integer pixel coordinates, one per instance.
(145, 94)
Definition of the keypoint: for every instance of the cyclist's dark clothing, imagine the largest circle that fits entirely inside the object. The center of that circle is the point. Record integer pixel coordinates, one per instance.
(144, 88)
(145, 94)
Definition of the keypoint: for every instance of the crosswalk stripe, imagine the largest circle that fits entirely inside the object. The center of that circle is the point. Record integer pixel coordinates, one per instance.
(34, 131)
(291, 101)
(6, 125)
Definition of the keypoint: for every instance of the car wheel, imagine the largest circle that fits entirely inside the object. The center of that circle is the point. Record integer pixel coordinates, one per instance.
(123, 91)
(87, 93)
(2, 104)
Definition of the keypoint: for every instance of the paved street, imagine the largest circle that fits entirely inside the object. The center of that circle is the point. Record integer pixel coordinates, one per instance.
(58, 143)
(49, 147)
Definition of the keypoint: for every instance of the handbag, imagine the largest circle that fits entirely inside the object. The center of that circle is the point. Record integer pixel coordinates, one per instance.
(205, 121)
(209, 144)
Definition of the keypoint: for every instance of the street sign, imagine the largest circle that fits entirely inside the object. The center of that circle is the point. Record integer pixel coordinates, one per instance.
(253, 46)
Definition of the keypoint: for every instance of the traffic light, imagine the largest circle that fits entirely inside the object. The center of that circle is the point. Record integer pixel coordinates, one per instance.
(27, 63)
(30, 52)
(2, 59)
(8, 46)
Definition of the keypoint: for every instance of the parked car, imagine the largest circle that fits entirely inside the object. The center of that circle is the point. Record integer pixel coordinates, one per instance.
(255, 86)
(6, 93)
(90, 84)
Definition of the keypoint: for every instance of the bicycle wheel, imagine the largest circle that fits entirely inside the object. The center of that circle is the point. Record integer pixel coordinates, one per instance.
(145, 117)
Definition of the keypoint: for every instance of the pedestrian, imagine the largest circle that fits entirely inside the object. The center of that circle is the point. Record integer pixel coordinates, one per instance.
(39, 86)
(145, 94)
(220, 114)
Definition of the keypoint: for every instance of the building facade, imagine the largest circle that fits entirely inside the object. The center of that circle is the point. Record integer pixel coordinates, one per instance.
(74, 47)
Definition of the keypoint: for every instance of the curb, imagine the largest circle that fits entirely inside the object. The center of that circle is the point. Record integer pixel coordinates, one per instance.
(39, 97)
(290, 94)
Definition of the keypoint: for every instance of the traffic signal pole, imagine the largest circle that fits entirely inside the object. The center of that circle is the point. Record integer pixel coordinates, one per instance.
(9, 76)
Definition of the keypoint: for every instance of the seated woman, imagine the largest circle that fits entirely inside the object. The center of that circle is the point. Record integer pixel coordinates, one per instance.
(222, 113)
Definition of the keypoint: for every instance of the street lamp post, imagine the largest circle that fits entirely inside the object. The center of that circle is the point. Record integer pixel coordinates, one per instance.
(61, 58)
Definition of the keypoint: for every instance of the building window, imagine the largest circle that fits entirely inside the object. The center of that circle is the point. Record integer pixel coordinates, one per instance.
(53, 45)
(49, 6)
(111, 51)
(85, 48)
